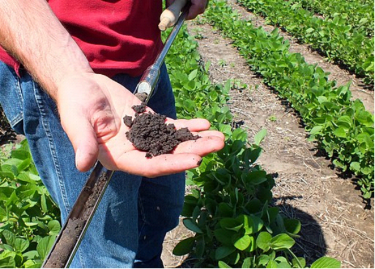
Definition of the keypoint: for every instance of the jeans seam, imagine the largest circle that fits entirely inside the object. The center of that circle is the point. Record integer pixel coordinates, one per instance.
(52, 150)
(142, 213)
(55, 160)
(13, 122)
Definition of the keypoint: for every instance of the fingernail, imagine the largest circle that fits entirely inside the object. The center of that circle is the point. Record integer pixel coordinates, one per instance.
(199, 162)
(77, 158)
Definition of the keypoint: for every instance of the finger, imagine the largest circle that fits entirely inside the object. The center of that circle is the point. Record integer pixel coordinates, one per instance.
(186, 156)
(197, 7)
(84, 141)
(165, 164)
(194, 125)
(210, 133)
(202, 146)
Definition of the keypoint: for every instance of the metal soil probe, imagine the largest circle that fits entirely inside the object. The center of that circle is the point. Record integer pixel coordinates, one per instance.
(72, 233)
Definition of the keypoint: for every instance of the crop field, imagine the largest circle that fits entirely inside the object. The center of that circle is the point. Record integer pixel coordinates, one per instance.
(290, 84)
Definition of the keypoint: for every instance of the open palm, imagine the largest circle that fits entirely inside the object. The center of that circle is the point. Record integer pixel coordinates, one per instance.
(91, 110)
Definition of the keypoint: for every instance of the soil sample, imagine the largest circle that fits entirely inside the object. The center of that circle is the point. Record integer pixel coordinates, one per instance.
(65, 246)
(149, 132)
(75, 226)
(142, 96)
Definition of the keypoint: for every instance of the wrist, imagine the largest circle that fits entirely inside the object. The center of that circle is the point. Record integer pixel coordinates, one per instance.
(62, 64)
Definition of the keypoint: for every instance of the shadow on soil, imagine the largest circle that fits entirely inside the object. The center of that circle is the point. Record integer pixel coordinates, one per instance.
(310, 245)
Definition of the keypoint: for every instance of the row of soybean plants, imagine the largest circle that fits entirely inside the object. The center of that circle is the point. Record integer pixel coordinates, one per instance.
(358, 13)
(334, 36)
(229, 208)
(342, 127)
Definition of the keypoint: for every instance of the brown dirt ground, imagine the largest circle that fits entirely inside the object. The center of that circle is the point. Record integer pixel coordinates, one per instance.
(331, 210)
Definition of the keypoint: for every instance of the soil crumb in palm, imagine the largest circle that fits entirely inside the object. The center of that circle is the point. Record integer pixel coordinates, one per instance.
(149, 132)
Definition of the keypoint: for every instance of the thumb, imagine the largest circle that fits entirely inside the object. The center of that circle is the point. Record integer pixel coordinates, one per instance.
(83, 138)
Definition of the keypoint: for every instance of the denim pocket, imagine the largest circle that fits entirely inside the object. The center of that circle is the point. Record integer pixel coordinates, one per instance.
(11, 99)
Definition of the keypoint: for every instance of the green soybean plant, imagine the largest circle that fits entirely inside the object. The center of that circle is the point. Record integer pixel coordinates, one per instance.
(230, 213)
(28, 216)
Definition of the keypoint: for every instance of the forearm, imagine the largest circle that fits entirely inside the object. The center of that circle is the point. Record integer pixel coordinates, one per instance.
(32, 34)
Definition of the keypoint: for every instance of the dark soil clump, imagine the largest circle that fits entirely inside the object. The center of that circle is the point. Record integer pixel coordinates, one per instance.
(149, 132)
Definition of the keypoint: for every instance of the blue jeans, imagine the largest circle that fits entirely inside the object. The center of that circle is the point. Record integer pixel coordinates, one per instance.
(130, 224)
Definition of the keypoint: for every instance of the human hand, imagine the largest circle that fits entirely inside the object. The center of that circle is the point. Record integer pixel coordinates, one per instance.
(197, 7)
(91, 108)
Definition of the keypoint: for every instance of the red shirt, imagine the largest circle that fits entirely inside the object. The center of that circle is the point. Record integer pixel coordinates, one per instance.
(117, 36)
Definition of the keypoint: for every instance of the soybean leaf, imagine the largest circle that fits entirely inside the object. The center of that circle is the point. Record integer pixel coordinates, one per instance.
(340, 132)
(193, 74)
(252, 224)
(30, 255)
(225, 210)
(263, 241)
(224, 236)
(45, 245)
(263, 259)
(345, 122)
(191, 225)
(7, 259)
(292, 225)
(281, 241)
(246, 263)
(223, 265)
(6, 174)
(20, 245)
(27, 176)
(200, 247)
(54, 227)
(254, 177)
(272, 264)
(252, 154)
(301, 262)
(231, 224)
(243, 242)
(258, 138)
(32, 264)
(184, 246)
(223, 251)
(282, 262)
(316, 129)
(43, 203)
(10, 237)
(326, 262)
